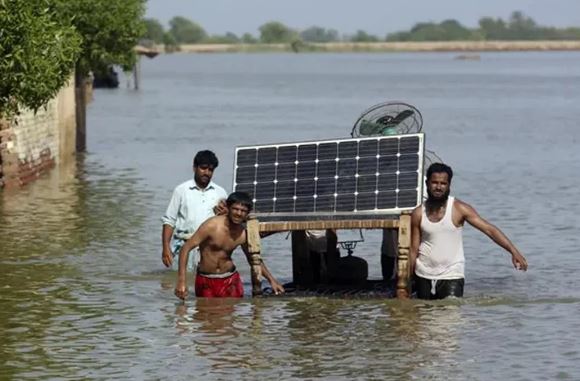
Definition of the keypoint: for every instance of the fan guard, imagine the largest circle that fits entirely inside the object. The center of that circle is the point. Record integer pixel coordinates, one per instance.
(390, 118)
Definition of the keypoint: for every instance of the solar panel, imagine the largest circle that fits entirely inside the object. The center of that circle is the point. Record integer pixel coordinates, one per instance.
(346, 178)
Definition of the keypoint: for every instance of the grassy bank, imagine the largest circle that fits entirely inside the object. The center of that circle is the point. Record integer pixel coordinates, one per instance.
(447, 46)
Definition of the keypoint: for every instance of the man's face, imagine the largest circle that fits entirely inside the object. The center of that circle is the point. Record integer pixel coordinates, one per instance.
(438, 186)
(202, 174)
(238, 213)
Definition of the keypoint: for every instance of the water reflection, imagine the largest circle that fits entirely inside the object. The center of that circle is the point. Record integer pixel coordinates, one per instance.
(206, 315)
(433, 333)
(48, 232)
(310, 338)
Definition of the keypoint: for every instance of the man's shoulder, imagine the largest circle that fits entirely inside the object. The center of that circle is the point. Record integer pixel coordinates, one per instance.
(214, 221)
(417, 211)
(219, 189)
(184, 186)
(461, 206)
(416, 214)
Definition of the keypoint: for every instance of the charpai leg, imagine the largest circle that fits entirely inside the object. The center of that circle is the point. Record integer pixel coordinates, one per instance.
(403, 284)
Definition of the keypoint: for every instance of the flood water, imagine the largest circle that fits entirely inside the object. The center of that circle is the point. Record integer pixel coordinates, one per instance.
(83, 293)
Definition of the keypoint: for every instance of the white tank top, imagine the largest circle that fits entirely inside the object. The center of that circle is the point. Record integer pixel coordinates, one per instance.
(441, 250)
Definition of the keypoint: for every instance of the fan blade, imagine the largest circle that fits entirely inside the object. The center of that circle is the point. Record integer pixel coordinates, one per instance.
(370, 128)
(401, 116)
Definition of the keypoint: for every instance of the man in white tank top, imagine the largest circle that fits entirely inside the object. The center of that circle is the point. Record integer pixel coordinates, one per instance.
(436, 254)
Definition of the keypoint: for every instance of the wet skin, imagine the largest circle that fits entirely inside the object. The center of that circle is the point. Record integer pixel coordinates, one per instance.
(217, 238)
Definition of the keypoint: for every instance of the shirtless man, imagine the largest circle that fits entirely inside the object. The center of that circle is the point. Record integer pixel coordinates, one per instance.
(436, 254)
(217, 238)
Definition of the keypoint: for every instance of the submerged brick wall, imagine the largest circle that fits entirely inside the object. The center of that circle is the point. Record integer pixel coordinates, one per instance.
(34, 142)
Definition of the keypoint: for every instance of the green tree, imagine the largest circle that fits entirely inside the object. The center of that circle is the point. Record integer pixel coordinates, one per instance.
(448, 30)
(454, 31)
(154, 30)
(362, 36)
(492, 29)
(522, 27)
(228, 38)
(247, 38)
(276, 32)
(398, 36)
(37, 54)
(568, 34)
(169, 40)
(319, 34)
(109, 28)
(185, 31)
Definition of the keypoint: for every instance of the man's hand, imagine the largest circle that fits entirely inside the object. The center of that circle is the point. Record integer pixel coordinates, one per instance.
(181, 290)
(221, 208)
(167, 257)
(519, 262)
(277, 288)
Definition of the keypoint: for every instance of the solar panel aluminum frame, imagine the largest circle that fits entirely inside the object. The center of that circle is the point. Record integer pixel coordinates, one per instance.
(338, 215)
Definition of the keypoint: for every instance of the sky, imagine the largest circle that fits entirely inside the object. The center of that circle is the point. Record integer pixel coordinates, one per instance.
(373, 16)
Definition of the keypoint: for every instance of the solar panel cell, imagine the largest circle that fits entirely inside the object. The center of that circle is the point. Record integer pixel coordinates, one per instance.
(367, 183)
(305, 204)
(347, 149)
(267, 155)
(346, 185)
(325, 203)
(286, 172)
(327, 151)
(266, 172)
(367, 166)
(284, 205)
(306, 170)
(366, 201)
(347, 167)
(247, 157)
(246, 175)
(407, 199)
(345, 202)
(368, 148)
(307, 153)
(326, 185)
(326, 168)
(287, 154)
(387, 200)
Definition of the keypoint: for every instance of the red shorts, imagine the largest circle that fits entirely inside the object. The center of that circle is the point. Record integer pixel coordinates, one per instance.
(217, 287)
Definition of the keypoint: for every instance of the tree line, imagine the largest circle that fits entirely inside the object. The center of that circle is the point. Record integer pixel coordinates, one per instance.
(43, 42)
(518, 27)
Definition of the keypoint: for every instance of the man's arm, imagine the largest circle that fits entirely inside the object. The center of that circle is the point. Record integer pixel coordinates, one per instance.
(415, 239)
(169, 219)
(470, 215)
(277, 288)
(166, 254)
(221, 208)
(200, 235)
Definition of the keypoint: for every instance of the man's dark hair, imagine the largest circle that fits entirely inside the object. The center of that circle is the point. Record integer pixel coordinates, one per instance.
(240, 198)
(439, 168)
(205, 158)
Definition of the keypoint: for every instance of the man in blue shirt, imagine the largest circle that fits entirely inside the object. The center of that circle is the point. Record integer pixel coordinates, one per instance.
(192, 203)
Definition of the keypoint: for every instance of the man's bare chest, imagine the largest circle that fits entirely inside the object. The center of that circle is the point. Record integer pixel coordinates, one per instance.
(226, 243)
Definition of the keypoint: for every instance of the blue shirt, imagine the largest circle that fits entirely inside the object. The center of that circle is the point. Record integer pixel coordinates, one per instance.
(191, 206)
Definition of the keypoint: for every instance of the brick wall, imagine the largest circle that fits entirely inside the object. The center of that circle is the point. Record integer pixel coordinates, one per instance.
(33, 143)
